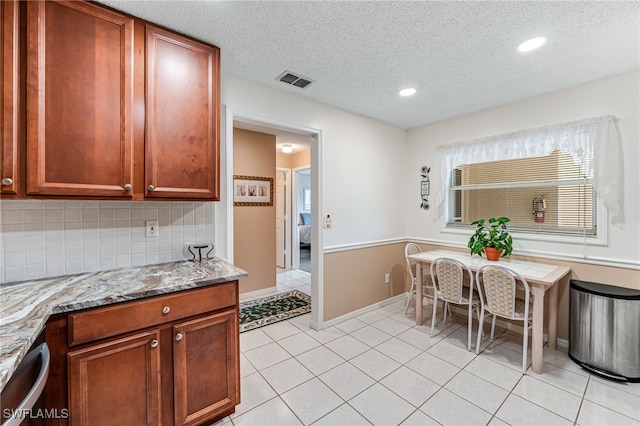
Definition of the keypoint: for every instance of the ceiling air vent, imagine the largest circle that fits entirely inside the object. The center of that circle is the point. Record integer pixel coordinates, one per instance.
(295, 80)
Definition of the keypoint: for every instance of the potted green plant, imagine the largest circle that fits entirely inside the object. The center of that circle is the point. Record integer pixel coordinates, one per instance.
(492, 238)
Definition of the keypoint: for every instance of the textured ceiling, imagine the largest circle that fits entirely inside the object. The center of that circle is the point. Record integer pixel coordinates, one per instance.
(461, 56)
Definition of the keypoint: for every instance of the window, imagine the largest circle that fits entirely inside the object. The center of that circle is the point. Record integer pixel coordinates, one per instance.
(544, 180)
(545, 194)
(306, 198)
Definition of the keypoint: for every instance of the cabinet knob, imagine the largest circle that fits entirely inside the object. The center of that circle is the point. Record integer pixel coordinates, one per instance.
(166, 310)
(151, 187)
(154, 343)
(7, 181)
(127, 187)
(179, 337)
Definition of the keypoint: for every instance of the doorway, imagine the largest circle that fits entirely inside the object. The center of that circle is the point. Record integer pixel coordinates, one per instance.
(283, 218)
(303, 211)
(293, 218)
(224, 215)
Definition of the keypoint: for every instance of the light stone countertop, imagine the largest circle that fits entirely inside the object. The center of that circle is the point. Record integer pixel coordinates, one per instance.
(26, 306)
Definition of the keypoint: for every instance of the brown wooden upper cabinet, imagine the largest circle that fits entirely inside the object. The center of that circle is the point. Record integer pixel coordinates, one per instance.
(10, 152)
(117, 107)
(182, 155)
(79, 100)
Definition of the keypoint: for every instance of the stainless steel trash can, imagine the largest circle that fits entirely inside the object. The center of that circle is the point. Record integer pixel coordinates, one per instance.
(604, 329)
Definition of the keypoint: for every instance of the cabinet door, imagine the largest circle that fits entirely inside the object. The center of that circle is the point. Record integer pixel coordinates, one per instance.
(182, 100)
(10, 66)
(79, 100)
(206, 356)
(117, 382)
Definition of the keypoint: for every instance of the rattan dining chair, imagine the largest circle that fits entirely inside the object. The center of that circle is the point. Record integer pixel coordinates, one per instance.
(450, 288)
(410, 249)
(498, 297)
(427, 289)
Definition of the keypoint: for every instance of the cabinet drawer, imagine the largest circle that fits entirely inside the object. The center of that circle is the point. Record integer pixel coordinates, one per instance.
(124, 317)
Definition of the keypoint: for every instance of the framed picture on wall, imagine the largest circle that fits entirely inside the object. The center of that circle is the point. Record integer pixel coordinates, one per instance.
(252, 191)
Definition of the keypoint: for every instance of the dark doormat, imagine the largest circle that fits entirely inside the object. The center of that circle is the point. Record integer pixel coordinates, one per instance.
(268, 310)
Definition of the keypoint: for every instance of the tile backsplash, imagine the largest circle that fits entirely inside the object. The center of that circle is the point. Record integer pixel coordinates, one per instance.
(47, 238)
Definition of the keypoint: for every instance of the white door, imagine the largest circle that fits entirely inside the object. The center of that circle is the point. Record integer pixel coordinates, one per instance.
(281, 219)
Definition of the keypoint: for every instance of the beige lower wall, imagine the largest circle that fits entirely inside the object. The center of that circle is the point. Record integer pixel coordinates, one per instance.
(621, 277)
(354, 279)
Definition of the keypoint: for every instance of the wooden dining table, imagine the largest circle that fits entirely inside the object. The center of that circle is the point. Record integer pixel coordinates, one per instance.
(542, 278)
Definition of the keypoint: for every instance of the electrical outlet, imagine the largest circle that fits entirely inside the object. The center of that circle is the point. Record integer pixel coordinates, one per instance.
(152, 228)
(387, 278)
(327, 221)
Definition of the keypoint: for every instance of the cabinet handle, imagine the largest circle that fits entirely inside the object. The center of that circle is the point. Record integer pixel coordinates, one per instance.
(154, 343)
(166, 310)
(179, 337)
(151, 187)
(127, 187)
(7, 181)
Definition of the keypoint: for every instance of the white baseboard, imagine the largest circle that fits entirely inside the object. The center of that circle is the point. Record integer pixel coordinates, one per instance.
(364, 310)
(264, 292)
(562, 344)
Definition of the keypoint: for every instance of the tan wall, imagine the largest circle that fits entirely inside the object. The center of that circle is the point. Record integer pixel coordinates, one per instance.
(354, 279)
(283, 160)
(581, 271)
(254, 229)
(301, 159)
(291, 161)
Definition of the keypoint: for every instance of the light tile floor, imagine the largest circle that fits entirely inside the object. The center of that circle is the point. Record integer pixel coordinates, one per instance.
(381, 369)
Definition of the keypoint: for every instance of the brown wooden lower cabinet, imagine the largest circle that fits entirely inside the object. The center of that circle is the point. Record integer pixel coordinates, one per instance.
(204, 367)
(116, 382)
(183, 371)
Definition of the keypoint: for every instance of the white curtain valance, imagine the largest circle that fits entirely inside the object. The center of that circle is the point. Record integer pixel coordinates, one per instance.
(599, 155)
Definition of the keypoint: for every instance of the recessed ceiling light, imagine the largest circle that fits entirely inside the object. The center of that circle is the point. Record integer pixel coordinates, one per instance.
(287, 149)
(407, 92)
(532, 44)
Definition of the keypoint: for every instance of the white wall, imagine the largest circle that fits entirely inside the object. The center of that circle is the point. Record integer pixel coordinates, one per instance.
(618, 95)
(362, 161)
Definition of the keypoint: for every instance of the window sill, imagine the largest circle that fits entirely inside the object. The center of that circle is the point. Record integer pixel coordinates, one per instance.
(589, 240)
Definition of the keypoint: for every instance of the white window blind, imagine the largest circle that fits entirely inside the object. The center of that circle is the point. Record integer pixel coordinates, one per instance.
(546, 179)
(547, 193)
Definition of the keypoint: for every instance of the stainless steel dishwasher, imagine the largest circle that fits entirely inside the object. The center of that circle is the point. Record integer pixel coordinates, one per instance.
(604, 329)
(22, 400)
